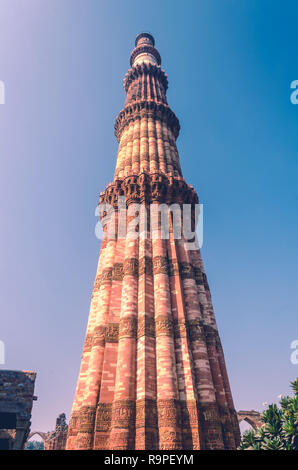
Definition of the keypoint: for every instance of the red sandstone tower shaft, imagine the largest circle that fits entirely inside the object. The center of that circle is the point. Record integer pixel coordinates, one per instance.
(153, 373)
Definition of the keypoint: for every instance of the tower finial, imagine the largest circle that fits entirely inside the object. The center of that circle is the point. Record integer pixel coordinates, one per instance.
(144, 38)
(144, 50)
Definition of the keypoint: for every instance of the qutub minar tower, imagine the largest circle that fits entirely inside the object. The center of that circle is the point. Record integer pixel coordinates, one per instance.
(153, 373)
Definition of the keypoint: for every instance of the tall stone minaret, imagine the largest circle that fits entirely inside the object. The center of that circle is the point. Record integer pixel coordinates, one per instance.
(153, 373)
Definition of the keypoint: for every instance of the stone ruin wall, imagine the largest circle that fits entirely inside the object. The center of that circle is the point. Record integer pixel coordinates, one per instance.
(16, 400)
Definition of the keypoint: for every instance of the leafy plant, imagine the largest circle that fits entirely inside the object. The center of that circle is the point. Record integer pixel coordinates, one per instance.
(280, 426)
(34, 445)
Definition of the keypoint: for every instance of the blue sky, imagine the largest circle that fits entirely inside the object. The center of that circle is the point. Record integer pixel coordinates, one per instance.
(230, 64)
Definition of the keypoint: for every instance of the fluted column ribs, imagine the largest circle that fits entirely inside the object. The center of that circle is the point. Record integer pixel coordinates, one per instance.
(170, 167)
(144, 145)
(174, 153)
(129, 148)
(140, 87)
(122, 434)
(149, 87)
(224, 412)
(146, 394)
(209, 318)
(204, 381)
(120, 166)
(147, 83)
(153, 150)
(102, 317)
(106, 396)
(168, 405)
(229, 398)
(217, 363)
(160, 146)
(156, 90)
(92, 385)
(80, 388)
(220, 355)
(136, 146)
(186, 381)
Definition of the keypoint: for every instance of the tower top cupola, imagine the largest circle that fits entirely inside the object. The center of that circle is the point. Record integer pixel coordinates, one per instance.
(144, 38)
(145, 50)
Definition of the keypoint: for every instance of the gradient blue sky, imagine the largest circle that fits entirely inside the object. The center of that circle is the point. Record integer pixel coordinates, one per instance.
(230, 64)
